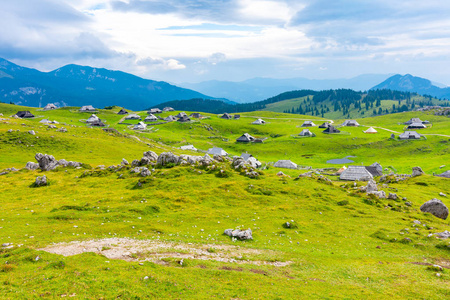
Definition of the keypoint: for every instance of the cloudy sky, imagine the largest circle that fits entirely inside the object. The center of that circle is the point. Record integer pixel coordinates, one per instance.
(197, 40)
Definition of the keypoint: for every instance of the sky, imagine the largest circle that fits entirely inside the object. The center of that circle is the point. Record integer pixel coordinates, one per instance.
(198, 40)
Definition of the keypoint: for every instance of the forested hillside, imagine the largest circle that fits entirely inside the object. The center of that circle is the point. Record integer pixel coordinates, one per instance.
(340, 103)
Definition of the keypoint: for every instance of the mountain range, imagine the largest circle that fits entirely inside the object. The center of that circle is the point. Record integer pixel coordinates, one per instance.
(74, 85)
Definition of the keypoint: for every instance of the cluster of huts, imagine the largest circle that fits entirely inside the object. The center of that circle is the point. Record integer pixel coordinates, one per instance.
(181, 117)
(227, 116)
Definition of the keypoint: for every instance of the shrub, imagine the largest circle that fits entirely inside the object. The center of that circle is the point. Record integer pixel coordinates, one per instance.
(342, 203)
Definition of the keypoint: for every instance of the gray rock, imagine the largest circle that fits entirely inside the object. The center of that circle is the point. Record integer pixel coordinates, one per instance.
(417, 222)
(32, 165)
(51, 126)
(144, 161)
(63, 162)
(408, 203)
(443, 235)
(392, 196)
(135, 163)
(152, 156)
(239, 234)
(136, 170)
(442, 194)
(124, 162)
(62, 129)
(74, 164)
(32, 132)
(41, 181)
(207, 160)
(46, 162)
(436, 208)
(10, 130)
(145, 172)
(417, 171)
(280, 174)
(190, 159)
(379, 194)
(371, 186)
(166, 158)
(307, 174)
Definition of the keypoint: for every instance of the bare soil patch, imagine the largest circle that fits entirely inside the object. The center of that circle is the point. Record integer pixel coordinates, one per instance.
(155, 251)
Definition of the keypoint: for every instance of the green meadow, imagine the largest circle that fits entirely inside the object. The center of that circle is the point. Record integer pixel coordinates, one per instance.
(343, 244)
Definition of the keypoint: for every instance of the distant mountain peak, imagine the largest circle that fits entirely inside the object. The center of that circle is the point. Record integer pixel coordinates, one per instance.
(410, 83)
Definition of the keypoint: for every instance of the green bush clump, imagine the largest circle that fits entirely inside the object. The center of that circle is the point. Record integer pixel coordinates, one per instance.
(56, 265)
(342, 203)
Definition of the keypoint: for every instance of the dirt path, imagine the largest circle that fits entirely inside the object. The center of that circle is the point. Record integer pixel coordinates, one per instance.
(155, 251)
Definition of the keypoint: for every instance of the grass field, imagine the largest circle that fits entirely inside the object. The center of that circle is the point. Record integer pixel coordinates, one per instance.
(346, 245)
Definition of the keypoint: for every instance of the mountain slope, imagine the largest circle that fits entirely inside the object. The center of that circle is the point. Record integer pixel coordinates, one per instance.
(254, 89)
(79, 85)
(409, 83)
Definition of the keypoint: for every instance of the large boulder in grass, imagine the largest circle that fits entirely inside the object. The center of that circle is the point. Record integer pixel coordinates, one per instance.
(167, 158)
(40, 181)
(436, 208)
(417, 171)
(46, 162)
(239, 234)
(152, 156)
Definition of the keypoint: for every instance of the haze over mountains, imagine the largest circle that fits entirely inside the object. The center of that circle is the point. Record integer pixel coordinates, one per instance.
(74, 85)
(257, 89)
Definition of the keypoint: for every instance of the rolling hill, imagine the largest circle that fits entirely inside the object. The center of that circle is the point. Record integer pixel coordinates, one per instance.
(104, 231)
(81, 85)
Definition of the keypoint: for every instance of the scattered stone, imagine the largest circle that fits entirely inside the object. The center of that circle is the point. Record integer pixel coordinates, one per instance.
(145, 172)
(436, 208)
(32, 132)
(40, 181)
(392, 196)
(417, 222)
(307, 174)
(31, 166)
(10, 130)
(166, 158)
(239, 234)
(443, 235)
(280, 174)
(51, 126)
(124, 162)
(62, 129)
(152, 156)
(379, 194)
(442, 194)
(135, 163)
(417, 171)
(408, 203)
(443, 166)
(371, 187)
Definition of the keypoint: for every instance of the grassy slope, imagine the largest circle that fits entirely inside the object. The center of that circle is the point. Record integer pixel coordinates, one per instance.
(333, 246)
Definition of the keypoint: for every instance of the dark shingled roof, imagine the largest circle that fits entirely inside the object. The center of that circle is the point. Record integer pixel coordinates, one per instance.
(24, 114)
(374, 171)
(331, 129)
